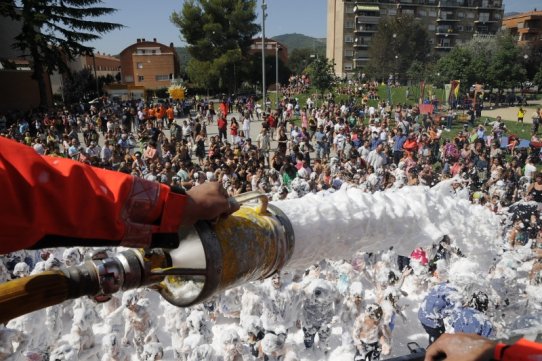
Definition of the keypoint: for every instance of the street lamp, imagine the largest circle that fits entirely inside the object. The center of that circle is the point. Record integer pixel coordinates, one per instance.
(277, 49)
(264, 8)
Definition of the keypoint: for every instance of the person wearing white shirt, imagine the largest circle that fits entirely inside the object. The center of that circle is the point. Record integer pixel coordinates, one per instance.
(246, 126)
(530, 169)
(377, 159)
(364, 150)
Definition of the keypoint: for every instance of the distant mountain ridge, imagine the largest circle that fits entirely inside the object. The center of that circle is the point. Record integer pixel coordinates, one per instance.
(300, 41)
(292, 41)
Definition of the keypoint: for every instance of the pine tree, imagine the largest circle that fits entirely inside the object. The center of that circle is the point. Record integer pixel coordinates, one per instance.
(219, 34)
(53, 33)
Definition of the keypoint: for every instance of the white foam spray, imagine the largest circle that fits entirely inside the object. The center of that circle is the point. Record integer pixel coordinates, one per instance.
(336, 225)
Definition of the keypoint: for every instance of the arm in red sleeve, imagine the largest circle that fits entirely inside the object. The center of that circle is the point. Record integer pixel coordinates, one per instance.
(47, 196)
(522, 350)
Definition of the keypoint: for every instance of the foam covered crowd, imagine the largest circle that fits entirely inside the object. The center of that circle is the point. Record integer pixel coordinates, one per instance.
(353, 309)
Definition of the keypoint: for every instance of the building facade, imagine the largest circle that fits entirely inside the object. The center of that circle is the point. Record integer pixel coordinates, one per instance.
(271, 47)
(526, 27)
(19, 91)
(149, 64)
(351, 25)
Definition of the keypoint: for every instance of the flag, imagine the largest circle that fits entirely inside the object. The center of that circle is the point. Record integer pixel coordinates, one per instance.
(456, 87)
(422, 91)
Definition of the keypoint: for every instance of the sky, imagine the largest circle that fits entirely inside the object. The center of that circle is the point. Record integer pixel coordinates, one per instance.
(150, 19)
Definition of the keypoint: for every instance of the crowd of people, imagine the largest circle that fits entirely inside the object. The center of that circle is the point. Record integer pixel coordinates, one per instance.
(299, 149)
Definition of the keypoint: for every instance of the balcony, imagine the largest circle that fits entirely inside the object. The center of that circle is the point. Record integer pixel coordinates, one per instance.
(447, 19)
(451, 3)
(485, 21)
(360, 61)
(361, 20)
(448, 32)
(367, 10)
(361, 46)
(368, 28)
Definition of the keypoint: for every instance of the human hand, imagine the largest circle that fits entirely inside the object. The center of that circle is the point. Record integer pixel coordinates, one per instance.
(208, 201)
(461, 347)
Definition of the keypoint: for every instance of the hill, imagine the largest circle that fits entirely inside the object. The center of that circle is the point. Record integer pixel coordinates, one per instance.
(300, 41)
(292, 41)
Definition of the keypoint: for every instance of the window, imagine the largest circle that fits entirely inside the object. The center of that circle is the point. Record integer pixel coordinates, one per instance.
(349, 53)
(153, 51)
(128, 78)
(349, 24)
(140, 78)
(348, 38)
(484, 17)
(422, 12)
(470, 15)
(460, 15)
(392, 11)
(459, 28)
(140, 51)
(349, 9)
(432, 13)
(348, 66)
(162, 77)
(431, 27)
(140, 65)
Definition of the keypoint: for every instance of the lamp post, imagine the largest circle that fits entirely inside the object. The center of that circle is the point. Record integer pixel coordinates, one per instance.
(277, 49)
(264, 7)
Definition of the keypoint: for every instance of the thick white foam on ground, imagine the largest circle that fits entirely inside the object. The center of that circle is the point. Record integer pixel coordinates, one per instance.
(336, 225)
(327, 225)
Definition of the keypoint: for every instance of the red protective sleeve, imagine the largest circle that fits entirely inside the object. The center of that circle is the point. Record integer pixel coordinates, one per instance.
(48, 196)
(522, 350)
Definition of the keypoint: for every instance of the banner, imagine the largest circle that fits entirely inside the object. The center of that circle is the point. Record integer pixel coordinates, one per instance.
(447, 91)
(426, 108)
(454, 92)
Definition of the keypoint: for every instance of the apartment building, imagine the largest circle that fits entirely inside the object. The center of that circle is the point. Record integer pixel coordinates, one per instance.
(271, 47)
(149, 64)
(526, 27)
(351, 25)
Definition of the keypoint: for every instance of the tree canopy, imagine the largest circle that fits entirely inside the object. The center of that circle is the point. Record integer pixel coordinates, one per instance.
(322, 74)
(219, 34)
(496, 62)
(398, 42)
(54, 32)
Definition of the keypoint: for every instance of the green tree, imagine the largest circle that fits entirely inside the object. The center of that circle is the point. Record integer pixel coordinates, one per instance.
(78, 86)
(219, 34)
(253, 70)
(298, 59)
(201, 74)
(507, 69)
(398, 42)
(53, 32)
(537, 80)
(457, 65)
(321, 74)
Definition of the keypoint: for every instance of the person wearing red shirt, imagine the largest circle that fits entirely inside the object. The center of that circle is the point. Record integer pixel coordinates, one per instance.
(272, 122)
(224, 108)
(49, 201)
(411, 145)
(170, 112)
(471, 347)
(222, 124)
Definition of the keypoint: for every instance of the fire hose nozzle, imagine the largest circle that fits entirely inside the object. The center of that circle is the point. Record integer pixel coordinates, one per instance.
(252, 244)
